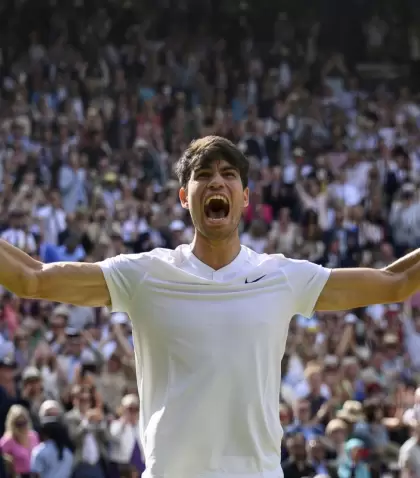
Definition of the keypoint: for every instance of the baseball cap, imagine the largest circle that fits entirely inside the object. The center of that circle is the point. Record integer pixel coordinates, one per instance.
(390, 339)
(119, 318)
(130, 400)
(61, 310)
(47, 406)
(48, 419)
(30, 373)
(7, 362)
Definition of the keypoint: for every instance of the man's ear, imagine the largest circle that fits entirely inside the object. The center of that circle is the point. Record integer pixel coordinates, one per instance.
(183, 197)
(246, 197)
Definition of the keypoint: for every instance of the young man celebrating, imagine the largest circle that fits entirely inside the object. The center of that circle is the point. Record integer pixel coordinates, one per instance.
(210, 321)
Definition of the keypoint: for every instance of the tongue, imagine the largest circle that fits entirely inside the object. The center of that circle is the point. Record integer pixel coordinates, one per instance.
(220, 214)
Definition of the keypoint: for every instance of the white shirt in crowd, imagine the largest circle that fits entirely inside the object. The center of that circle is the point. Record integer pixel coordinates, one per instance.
(54, 222)
(125, 437)
(90, 450)
(20, 238)
(209, 346)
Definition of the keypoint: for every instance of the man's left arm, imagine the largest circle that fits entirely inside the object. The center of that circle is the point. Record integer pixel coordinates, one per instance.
(359, 287)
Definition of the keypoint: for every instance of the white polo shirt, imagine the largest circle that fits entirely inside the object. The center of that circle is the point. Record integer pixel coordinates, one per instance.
(209, 345)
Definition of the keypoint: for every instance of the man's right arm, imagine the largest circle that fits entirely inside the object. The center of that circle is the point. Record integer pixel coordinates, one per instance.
(68, 282)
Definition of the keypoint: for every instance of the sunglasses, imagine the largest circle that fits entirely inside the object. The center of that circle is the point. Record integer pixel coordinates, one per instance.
(21, 423)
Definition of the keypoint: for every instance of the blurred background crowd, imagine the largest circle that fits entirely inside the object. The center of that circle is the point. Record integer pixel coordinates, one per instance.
(98, 99)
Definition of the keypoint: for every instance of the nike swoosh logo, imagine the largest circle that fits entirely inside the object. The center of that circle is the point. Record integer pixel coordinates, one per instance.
(252, 281)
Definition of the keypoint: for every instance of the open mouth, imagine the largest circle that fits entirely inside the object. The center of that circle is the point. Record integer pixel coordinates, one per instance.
(216, 208)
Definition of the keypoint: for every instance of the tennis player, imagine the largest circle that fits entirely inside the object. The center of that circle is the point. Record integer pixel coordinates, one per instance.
(210, 322)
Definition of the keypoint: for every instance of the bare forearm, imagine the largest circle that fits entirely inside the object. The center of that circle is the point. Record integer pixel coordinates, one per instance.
(69, 282)
(19, 255)
(16, 268)
(404, 263)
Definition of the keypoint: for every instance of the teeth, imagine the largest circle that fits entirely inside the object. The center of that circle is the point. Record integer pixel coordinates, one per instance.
(216, 196)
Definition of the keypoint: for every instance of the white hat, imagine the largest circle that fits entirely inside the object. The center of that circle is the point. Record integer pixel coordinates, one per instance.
(31, 373)
(61, 310)
(119, 318)
(49, 405)
(130, 401)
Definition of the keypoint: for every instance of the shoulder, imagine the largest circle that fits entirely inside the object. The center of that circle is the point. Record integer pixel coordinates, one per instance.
(292, 269)
(297, 268)
(267, 261)
(140, 261)
(39, 450)
(6, 441)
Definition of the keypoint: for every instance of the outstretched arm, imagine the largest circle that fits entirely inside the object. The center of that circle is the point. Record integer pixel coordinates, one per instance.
(360, 287)
(69, 282)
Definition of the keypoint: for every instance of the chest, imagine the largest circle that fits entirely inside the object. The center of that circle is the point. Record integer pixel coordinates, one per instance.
(215, 319)
(21, 453)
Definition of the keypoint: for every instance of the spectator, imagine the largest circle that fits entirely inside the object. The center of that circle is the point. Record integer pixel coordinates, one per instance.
(318, 458)
(51, 458)
(19, 440)
(88, 431)
(7, 389)
(337, 433)
(303, 423)
(126, 448)
(409, 457)
(354, 464)
(32, 388)
(297, 464)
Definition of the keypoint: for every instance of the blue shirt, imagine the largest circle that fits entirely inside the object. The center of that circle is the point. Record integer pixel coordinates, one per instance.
(308, 431)
(51, 253)
(45, 461)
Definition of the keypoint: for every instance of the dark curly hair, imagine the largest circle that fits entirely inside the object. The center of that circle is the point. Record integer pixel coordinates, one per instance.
(201, 152)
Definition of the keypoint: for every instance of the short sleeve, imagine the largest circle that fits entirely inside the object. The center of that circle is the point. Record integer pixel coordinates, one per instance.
(6, 444)
(37, 463)
(123, 275)
(307, 280)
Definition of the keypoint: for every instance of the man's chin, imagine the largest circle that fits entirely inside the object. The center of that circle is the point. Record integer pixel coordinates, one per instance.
(217, 230)
(217, 223)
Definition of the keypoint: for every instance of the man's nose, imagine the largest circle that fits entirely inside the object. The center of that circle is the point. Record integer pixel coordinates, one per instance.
(216, 181)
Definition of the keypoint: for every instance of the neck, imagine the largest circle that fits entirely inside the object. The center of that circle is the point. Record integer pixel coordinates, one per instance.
(216, 254)
(20, 437)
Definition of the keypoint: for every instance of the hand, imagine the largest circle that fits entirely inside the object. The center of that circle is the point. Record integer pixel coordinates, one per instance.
(28, 392)
(95, 415)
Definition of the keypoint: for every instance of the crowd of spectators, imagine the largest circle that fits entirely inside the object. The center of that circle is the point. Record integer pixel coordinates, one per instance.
(96, 106)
